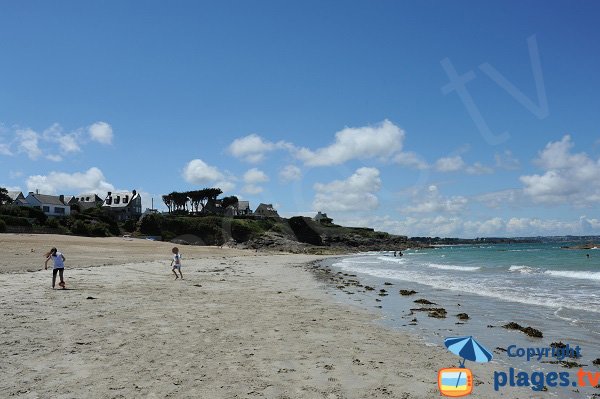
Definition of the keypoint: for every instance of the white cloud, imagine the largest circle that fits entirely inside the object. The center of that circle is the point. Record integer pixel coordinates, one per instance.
(355, 193)
(29, 143)
(478, 169)
(54, 158)
(431, 201)
(101, 132)
(456, 164)
(92, 180)
(198, 172)
(507, 161)
(252, 189)
(411, 160)
(497, 199)
(252, 148)
(67, 142)
(450, 164)
(290, 173)
(379, 141)
(254, 175)
(569, 178)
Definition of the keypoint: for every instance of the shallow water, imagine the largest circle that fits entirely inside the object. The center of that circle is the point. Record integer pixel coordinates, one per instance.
(543, 286)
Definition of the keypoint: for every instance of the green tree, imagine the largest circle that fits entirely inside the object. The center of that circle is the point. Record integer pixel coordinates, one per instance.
(231, 200)
(168, 200)
(4, 197)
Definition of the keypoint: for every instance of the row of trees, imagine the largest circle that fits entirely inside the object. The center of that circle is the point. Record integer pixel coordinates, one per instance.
(198, 201)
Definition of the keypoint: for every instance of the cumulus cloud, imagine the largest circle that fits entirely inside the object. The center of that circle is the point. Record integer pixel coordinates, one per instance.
(431, 201)
(254, 175)
(68, 143)
(29, 143)
(253, 178)
(568, 178)
(253, 148)
(411, 160)
(290, 173)
(200, 173)
(355, 193)
(379, 141)
(456, 163)
(92, 180)
(101, 132)
(455, 226)
(497, 199)
(450, 164)
(53, 143)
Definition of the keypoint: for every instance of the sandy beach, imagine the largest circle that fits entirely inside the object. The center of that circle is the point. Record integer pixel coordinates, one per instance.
(240, 325)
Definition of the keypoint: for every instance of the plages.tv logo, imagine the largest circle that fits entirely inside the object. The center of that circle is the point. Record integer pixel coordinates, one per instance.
(458, 381)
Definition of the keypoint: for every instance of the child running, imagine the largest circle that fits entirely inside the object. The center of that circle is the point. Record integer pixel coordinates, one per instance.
(59, 266)
(176, 262)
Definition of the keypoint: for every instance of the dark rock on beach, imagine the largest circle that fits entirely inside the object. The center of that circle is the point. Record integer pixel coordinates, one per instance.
(532, 332)
(424, 302)
(407, 292)
(462, 316)
(597, 362)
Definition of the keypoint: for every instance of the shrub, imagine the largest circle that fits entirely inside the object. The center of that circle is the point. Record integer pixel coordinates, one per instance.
(129, 225)
(15, 221)
(54, 223)
(2, 226)
(151, 225)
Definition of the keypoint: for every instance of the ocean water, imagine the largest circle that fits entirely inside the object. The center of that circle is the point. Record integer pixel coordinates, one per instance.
(540, 285)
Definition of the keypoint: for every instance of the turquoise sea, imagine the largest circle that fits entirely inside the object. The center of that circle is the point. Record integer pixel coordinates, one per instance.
(544, 286)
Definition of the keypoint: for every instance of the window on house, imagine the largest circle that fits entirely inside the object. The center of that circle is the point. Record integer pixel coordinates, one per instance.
(117, 199)
(125, 199)
(87, 198)
(46, 209)
(59, 210)
(109, 201)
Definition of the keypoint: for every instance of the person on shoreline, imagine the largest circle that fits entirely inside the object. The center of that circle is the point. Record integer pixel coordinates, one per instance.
(59, 266)
(176, 263)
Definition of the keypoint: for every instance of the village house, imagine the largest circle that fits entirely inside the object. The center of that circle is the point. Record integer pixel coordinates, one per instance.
(17, 198)
(243, 208)
(266, 210)
(123, 205)
(85, 201)
(322, 218)
(51, 205)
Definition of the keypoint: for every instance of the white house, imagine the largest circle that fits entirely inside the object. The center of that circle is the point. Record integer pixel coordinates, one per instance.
(124, 205)
(51, 205)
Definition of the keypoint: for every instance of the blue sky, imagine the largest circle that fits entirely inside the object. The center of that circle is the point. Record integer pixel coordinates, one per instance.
(344, 107)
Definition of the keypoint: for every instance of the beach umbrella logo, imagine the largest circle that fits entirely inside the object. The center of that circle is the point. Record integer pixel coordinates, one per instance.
(458, 381)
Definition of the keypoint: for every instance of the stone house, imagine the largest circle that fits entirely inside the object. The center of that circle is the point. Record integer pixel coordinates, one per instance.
(123, 205)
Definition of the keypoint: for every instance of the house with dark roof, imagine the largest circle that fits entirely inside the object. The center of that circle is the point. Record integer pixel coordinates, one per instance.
(85, 200)
(17, 198)
(243, 208)
(123, 205)
(51, 205)
(266, 210)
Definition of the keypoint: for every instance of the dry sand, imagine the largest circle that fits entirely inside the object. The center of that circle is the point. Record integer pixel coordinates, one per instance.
(241, 325)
